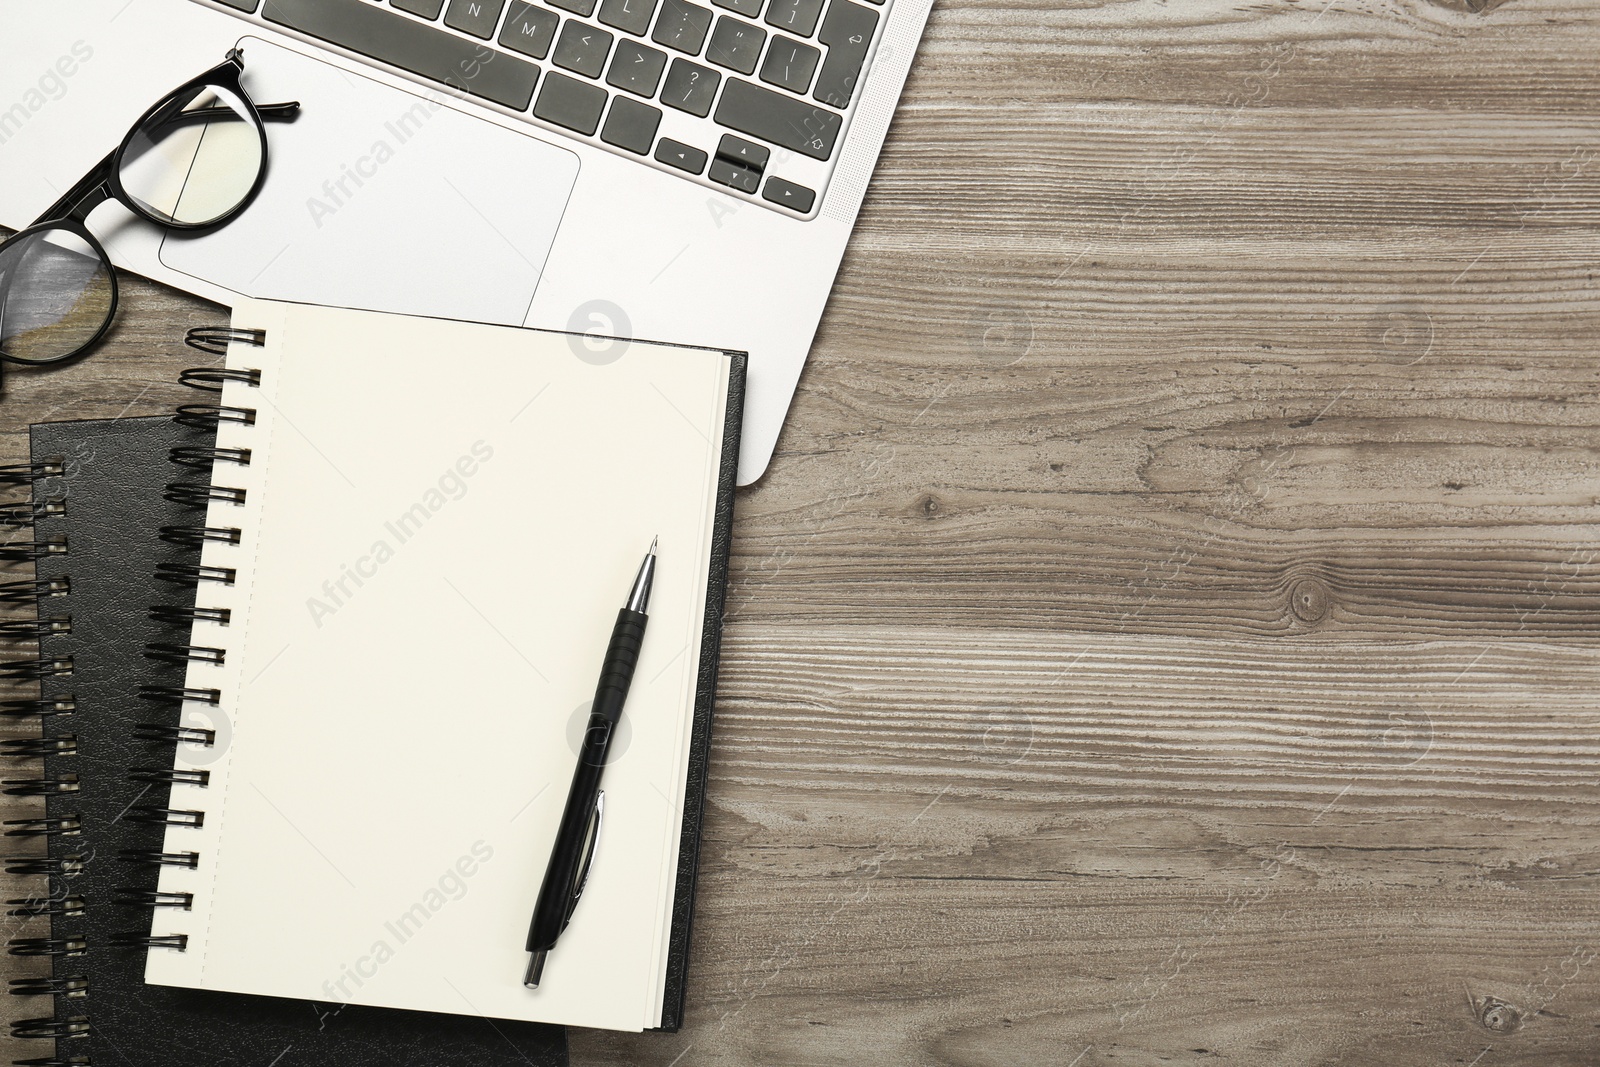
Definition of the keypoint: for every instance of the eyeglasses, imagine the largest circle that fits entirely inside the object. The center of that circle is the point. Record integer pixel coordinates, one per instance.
(192, 162)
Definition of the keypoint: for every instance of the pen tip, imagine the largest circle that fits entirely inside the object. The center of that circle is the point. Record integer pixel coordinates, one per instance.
(653, 542)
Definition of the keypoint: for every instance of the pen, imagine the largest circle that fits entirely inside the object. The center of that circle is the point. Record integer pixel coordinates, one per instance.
(580, 820)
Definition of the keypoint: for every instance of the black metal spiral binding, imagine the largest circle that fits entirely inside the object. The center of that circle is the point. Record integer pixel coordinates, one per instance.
(47, 946)
(37, 708)
(44, 827)
(33, 629)
(77, 1026)
(194, 574)
(152, 816)
(216, 339)
(28, 473)
(152, 898)
(203, 458)
(58, 1030)
(174, 735)
(210, 416)
(73, 985)
(154, 857)
(40, 747)
(60, 869)
(32, 670)
(197, 536)
(177, 694)
(169, 776)
(38, 589)
(52, 866)
(70, 906)
(212, 379)
(29, 551)
(182, 654)
(21, 514)
(178, 616)
(198, 495)
(177, 941)
(41, 787)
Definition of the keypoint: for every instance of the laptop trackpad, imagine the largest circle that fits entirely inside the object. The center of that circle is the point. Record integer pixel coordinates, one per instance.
(381, 199)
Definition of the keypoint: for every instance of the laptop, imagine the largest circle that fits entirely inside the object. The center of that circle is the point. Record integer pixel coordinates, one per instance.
(678, 170)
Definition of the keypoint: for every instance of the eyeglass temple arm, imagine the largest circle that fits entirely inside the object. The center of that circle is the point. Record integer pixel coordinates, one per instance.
(268, 112)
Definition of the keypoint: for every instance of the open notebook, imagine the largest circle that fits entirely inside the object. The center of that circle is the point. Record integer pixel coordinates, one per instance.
(437, 523)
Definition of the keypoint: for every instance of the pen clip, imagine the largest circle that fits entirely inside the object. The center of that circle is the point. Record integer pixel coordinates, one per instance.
(591, 840)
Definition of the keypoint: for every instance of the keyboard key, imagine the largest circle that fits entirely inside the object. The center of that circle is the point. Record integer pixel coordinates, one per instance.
(738, 150)
(690, 87)
(796, 16)
(428, 9)
(530, 30)
(577, 7)
(571, 103)
(477, 17)
(250, 5)
(734, 175)
(790, 64)
(788, 194)
(411, 45)
(736, 45)
(677, 154)
(629, 16)
(739, 164)
(631, 125)
(682, 25)
(583, 49)
(751, 8)
(781, 120)
(847, 31)
(637, 68)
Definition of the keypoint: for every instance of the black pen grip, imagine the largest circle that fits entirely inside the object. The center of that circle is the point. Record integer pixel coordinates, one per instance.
(616, 674)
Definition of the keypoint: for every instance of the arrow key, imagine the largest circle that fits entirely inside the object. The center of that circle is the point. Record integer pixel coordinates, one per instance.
(788, 194)
(677, 154)
(734, 175)
(738, 150)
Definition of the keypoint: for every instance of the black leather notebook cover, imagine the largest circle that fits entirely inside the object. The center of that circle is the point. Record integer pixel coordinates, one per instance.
(111, 485)
(694, 797)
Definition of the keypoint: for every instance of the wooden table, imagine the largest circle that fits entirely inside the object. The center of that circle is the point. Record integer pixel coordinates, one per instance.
(1168, 631)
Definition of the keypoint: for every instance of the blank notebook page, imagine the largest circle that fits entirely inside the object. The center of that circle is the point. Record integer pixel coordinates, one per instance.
(440, 524)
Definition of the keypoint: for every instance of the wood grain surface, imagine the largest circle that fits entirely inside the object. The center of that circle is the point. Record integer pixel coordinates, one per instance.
(1168, 630)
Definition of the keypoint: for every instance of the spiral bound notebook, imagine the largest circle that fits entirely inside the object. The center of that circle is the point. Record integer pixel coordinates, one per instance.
(100, 526)
(419, 532)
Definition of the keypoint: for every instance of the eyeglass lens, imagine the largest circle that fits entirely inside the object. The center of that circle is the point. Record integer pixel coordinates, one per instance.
(195, 160)
(55, 295)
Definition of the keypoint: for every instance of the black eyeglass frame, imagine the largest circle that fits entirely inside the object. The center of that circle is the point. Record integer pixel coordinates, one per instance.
(104, 182)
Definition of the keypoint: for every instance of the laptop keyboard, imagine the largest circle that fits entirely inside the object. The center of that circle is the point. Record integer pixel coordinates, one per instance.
(747, 95)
